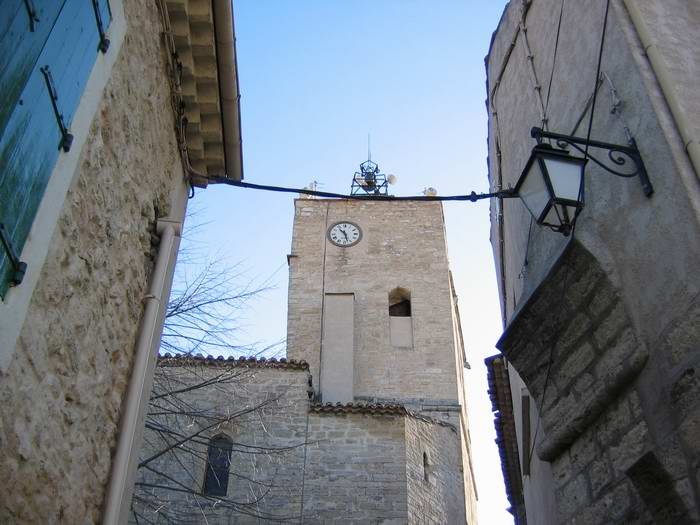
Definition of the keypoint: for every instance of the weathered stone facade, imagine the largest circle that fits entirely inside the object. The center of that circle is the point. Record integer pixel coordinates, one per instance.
(395, 447)
(403, 245)
(62, 389)
(296, 460)
(600, 327)
(402, 248)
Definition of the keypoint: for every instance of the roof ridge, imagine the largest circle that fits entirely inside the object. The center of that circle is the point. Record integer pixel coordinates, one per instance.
(169, 359)
(396, 409)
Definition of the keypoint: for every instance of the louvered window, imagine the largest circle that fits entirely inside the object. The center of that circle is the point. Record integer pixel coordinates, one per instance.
(47, 50)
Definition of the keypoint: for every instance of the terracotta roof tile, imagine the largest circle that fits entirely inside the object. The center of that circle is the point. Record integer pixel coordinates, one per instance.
(506, 438)
(359, 408)
(375, 409)
(249, 362)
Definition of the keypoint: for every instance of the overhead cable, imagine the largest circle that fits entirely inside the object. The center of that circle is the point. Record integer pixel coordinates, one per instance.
(473, 196)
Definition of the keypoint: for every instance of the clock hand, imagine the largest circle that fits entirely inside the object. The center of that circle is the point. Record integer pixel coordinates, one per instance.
(345, 234)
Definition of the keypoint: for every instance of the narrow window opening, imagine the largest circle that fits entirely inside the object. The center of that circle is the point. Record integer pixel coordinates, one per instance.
(525, 407)
(400, 303)
(402, 309)
(218, 466)
(400, 322)
(426, 467)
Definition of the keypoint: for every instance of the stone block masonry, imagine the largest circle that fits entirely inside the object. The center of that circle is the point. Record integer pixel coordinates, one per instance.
(607, 463)
(403, 245)
(295, 460)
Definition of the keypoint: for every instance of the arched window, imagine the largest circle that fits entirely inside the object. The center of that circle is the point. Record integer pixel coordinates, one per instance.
(218, 465)
(400, 303)
(400, 323)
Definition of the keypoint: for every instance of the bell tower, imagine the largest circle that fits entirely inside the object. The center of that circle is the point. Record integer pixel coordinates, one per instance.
(372, 309)
(372, 306)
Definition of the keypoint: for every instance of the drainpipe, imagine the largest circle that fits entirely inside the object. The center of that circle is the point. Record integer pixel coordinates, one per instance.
(658, 65)
(123, 476)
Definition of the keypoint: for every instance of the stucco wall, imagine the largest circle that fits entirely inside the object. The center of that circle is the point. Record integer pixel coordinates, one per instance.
(61, 393)
(618, 218)
(538, 487)
(617, 329)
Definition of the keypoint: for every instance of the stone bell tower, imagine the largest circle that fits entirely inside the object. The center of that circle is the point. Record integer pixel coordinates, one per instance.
(371, 304)
(372, 310)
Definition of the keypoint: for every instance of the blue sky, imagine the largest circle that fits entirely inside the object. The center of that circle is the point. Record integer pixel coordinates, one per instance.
(316, 76)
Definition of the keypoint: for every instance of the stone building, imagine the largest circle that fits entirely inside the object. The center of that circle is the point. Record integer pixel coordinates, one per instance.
(366, 422)
(95, 170)
(597, 391)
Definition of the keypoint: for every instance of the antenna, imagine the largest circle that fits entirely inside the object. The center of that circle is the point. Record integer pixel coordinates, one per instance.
(369, 152)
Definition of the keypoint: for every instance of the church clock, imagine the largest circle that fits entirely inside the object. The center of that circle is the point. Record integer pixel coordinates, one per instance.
(344, 234)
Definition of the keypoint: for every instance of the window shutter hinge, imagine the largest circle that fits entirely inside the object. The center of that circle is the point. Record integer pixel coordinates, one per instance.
(19, 267)
(66, 137)
(104, 41)
(31, 12)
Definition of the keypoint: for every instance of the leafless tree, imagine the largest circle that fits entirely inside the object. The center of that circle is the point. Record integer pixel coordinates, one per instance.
(189, 404)
(209, 302)
(187, 407)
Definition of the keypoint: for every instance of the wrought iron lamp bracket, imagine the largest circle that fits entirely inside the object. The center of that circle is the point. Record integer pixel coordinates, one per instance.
(617, 154)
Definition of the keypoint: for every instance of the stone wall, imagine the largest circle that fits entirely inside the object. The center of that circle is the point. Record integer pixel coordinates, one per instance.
(356, 469)
(403, 245)
(329, 464)
(435, 486)
(606, 321)
(574, 345)
(268, 411)
(62, 391)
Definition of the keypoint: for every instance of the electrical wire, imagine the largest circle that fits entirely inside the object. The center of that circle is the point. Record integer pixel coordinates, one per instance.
(552, 346)
(573, 231)
(473, 196)
(597, 76)
(554, 62)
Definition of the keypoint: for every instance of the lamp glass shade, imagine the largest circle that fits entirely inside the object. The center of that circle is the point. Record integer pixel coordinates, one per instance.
(532, 189)
(551, 187)
(566, 176)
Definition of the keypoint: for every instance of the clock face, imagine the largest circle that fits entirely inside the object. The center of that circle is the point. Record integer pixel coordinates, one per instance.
(344, 234)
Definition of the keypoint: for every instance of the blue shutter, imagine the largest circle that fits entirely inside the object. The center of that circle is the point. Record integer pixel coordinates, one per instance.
(20, 46)
(31, 139)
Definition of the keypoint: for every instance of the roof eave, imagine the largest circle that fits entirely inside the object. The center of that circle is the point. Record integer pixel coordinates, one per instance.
(229, 93)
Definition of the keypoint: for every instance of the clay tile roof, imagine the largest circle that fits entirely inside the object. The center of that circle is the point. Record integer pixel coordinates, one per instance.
(375, 409)
(248, 362)
(359, 408)
(506, 438)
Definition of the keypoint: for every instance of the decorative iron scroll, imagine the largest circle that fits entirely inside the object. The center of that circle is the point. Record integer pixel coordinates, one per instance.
(617, 154)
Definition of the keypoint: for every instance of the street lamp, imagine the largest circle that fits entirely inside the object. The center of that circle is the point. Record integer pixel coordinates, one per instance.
(551, 187)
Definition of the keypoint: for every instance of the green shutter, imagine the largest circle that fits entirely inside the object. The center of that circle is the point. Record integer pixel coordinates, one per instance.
(31, 137)
(20, 47)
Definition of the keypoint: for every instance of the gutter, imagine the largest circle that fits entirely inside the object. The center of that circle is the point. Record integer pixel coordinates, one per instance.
(658, 65)
(131, 426)
(229, 93)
